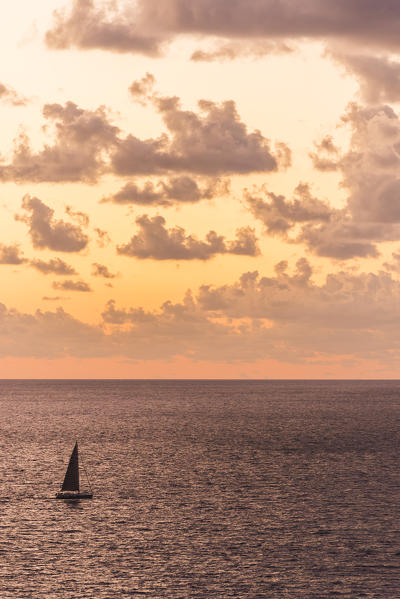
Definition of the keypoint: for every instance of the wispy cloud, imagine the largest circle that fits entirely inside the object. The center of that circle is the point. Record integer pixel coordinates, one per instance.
(72, 285)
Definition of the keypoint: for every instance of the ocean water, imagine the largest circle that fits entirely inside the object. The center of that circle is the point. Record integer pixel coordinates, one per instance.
(202, 489)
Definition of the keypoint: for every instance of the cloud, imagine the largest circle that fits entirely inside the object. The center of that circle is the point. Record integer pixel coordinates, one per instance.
(230, 50)
(142, 89)
(213, 142)
(71, 285)
(145, 25)
(10, 96)
(343, 238)
(47, 335)
(155, 241)
(326, 231)
(175, 329)
(306, 219)
(103, 238)
(370, 168)
(100, 270)
(178, 329)
(80, 139)
(79, 217)
(345, 303)
(378, 76)
(393, 266)
(326, 154)
(369, 171)
(175, 190)
(88, 27)
(284, 316)
(245, 28)
(84, 145)
(280, 215)
(54, 266)
(46, 232)
(11, 254)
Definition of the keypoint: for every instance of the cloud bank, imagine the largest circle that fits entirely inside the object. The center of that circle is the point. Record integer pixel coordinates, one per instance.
(286, 316)
(144, 26)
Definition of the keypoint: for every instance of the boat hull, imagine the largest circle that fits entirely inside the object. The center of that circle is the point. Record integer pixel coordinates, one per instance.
(68, 495)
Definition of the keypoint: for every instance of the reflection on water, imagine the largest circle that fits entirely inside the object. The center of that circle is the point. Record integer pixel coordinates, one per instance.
(201, 489)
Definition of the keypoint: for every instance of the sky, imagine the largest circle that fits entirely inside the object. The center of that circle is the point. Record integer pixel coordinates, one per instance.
(200, 189)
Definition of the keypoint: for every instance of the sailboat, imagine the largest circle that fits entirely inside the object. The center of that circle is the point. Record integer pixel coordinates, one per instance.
(70, 486)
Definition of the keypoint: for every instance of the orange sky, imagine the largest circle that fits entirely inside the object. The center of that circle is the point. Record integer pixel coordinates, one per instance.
(139, 186)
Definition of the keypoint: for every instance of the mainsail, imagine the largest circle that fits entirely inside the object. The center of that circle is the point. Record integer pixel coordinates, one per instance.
(71, 480)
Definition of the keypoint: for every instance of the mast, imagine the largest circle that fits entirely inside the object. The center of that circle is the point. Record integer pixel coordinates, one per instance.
(87, 476)
(71, 480)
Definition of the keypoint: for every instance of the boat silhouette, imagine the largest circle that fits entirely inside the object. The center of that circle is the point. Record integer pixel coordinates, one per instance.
(70, 487)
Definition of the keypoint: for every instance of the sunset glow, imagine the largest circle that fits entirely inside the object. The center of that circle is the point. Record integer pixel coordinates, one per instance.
(200, 189)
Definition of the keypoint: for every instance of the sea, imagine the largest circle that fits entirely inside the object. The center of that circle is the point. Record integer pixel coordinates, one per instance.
(209, 489)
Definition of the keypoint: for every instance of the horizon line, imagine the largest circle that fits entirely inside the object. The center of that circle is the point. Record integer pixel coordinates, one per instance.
(203, 379)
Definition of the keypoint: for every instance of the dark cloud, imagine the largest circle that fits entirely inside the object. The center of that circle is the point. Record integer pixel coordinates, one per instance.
(46, 232)
(213, 142)
(71, 285)
(100, 270)
(81, 138)
(11, 254)
(175, 190)
(362, 19)
(89, 27)
(10, 96)
(155, 241)
(54, 266)
(144, 25)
